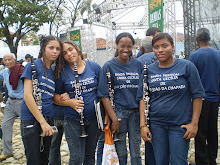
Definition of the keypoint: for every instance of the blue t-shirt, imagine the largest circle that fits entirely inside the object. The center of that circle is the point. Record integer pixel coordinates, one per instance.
(171, 92)
(47, 89)
(148, 58)
(19, 92)
(58, 112)
(139, 54)
(89, 81)
(125, 80)
(207, 62)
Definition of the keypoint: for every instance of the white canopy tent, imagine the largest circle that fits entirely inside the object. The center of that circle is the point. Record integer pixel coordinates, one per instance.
(22, 51)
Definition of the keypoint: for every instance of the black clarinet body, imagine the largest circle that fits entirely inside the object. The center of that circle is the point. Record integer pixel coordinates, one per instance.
(36, 90)
(78, 96)
(111, 98)
(146, 97)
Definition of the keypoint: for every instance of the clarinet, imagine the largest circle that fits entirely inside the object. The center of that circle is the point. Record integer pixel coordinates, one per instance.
(78, 96)
(146, 97)
(111, 98)
(36, 90)
(37, 96)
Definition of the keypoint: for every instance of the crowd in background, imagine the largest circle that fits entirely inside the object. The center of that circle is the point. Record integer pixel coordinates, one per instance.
(57, 93)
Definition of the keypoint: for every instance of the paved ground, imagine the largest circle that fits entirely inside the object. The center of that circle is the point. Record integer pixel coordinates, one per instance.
(19, 156)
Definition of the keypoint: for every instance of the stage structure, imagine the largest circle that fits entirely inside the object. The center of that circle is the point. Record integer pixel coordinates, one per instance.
(105, 13)
(196, 14)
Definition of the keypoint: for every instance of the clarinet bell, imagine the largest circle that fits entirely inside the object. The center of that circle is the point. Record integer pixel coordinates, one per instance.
(83, 132)
(116, 137)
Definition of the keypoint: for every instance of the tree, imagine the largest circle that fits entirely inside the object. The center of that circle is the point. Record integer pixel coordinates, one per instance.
(65, 13)
(33, 37)
(76, 9)
(57, 19)
(19, 17)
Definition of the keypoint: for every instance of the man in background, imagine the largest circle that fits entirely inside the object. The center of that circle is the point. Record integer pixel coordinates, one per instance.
(84, 55)
(147, 51)
(207, 61)
(181, 56)
(148, 57)
(11, 75)
(27, 59)
(150, 32)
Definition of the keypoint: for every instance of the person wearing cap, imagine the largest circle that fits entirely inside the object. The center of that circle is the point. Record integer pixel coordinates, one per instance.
(11, 75)
(27, 59)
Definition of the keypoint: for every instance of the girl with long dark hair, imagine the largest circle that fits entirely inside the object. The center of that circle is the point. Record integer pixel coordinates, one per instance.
(34, 119)
(78, 77)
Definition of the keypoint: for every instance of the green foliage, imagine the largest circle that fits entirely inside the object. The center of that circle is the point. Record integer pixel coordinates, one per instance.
(57, 18)
(19, 17)
(1, 32)
(94, 6)
(86, 6)
(25, 12)
(36, 42)
(25, 37)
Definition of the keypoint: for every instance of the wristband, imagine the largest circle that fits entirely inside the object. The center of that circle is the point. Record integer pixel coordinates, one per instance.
(142, 126)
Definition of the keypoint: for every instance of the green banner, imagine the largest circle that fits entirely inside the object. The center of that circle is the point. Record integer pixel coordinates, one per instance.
(156, 14)
(75, 37)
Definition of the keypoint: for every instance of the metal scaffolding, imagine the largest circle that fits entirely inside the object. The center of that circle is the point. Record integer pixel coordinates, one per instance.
(189, 26)
(110, 37)
(196, 14)
(88, 41)
(104, 14)
(169, 25)
(208, 15)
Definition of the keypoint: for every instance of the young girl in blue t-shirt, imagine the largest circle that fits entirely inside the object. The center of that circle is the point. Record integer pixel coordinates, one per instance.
(34, 120)
(176, 93)
(124, 71)
(82, 149)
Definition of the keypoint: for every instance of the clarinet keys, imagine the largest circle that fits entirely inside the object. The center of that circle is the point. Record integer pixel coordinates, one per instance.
(78, 95)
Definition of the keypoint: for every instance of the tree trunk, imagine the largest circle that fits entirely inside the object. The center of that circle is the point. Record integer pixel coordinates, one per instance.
(12, 47)
(14, 50)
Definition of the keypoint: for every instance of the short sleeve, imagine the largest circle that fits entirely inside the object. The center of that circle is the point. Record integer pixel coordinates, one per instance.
(103, 84)
(97, 70)
(27, 72)
(59, 86)
(140, 88)
(195, 84)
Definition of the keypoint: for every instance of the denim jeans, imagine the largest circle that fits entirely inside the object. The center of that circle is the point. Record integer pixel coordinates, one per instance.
(149, 154)
(54, 156)
(168, 142)
(100, 147)
(129, 123)
(30, 132)
(82, 149)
